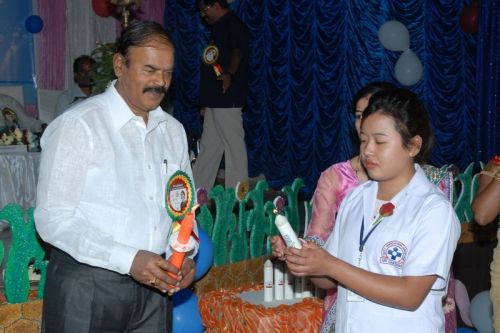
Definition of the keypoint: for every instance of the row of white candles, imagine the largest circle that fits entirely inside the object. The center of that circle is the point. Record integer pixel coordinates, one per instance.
(280, 284)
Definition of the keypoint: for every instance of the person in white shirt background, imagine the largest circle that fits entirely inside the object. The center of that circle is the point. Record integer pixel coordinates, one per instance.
(391, 250)
(100, 198)
(82, 87)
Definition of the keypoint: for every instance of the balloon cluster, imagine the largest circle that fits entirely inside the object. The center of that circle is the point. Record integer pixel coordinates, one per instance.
(186, 314)
(394, 36)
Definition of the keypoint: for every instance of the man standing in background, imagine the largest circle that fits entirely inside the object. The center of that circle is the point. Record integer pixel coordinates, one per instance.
(81, 89)
(223, 91)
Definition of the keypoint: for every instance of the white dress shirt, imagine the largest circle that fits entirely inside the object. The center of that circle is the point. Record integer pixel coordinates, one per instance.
(419, 239)
(100, 195)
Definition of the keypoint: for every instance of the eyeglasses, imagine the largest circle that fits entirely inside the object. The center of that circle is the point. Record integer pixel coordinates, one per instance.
(204, 10)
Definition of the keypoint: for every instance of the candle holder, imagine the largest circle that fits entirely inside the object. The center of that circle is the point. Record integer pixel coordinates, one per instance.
(125, 7)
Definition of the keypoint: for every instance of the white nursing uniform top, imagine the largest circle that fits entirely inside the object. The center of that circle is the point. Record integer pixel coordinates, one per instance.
(418, 239)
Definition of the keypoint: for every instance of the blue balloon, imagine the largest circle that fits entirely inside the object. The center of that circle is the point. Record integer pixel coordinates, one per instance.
(186, 314)
(481, 312)
(465, 330)
(205, 256)
(34, 24)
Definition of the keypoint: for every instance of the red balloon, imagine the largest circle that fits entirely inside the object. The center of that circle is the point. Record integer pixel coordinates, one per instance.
(469, 18)
(103, 8)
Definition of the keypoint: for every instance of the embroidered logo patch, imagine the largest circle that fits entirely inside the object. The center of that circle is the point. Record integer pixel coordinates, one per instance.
(394, 253)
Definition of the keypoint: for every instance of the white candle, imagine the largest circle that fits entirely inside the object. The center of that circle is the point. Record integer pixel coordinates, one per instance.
(318, 292)
(279, 281)
(288, 284)
(268, 281)
(287, 232)
(306, 287)
(298, 286)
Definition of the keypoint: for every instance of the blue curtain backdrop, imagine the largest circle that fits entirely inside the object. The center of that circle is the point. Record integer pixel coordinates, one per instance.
(307, 60)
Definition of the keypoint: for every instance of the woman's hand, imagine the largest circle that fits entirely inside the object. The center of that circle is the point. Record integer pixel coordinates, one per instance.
(311, 260)
(279, 247)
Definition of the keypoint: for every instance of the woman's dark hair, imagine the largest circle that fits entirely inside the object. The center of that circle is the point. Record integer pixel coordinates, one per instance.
(366, 91)
(409, 115)
(370, 89)
(140, 33)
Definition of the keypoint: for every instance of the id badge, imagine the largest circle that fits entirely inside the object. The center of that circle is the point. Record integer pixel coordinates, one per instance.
(353, 297)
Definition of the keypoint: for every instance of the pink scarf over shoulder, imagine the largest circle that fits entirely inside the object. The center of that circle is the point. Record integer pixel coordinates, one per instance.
(333, 185)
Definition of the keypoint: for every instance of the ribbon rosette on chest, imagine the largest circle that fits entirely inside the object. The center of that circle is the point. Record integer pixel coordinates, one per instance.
(385, 210)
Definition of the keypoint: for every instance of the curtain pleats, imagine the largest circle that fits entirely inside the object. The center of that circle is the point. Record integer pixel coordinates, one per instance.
(52, 45)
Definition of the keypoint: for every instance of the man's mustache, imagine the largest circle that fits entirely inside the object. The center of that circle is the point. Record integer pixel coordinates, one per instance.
(158, 90)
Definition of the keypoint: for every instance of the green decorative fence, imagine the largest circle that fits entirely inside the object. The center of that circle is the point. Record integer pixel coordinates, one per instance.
(239, 230)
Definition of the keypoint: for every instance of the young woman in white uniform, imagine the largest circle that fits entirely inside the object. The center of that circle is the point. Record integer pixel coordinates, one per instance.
(391, 265)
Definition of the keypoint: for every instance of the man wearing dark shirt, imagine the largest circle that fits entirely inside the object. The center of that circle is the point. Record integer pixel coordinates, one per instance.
(223, 89)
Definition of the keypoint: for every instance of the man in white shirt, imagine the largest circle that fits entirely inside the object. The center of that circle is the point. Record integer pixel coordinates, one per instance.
(81, 89)
(100, 200)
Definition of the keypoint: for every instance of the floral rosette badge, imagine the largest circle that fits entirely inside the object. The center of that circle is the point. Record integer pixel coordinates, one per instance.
(210, 56)
(179, 195)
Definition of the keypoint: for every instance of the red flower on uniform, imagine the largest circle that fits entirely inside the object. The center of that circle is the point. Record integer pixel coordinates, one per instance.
(386, 209)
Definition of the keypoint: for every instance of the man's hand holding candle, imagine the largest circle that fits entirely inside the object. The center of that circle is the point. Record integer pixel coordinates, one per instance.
(186, 273)
(149, 268)
(175, 273)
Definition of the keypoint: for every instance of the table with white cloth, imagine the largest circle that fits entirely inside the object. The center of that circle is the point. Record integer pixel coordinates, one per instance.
(18, 178)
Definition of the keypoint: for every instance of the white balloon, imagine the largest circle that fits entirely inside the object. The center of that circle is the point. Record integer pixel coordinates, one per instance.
(394, 36)
(481, 312)
(408, 69)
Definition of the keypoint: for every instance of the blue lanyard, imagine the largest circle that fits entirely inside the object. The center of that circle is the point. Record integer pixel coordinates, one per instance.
(362, 240)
